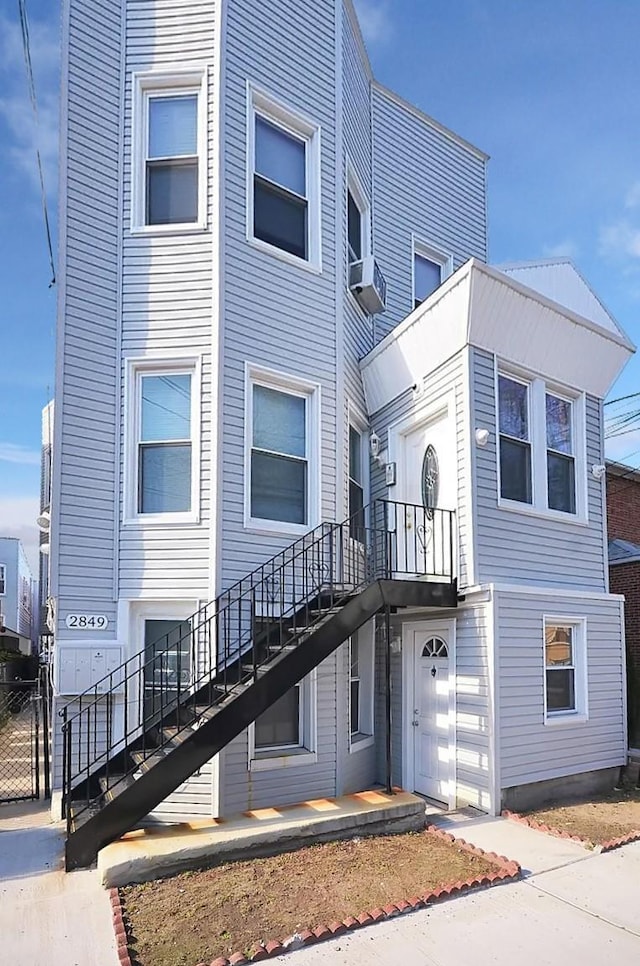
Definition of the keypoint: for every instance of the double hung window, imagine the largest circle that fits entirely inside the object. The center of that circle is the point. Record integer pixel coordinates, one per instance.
(282, 464)
(283, 205)
(3, 580)
(354, 229)
(540, 461)
(564, 668)
(561, 473)
(356, 484)
(361, 686)
(164, 447)
(169, 163)
(515, 445)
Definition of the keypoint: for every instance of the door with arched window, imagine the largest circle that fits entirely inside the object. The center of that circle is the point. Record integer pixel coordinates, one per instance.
(431, 724)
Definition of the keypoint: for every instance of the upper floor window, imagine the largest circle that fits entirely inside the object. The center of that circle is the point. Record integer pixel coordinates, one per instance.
(561, 473)
(162, 453)
(282, 461)
(515, 446)
(3, 580)
(539, 458)
(284, 196)
(358, 220)
(430, 268)
(169, 167)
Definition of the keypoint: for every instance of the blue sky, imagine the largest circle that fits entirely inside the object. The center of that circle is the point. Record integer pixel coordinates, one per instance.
(548, 88)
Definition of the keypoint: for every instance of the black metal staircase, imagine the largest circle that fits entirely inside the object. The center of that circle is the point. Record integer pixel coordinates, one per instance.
(141, 731)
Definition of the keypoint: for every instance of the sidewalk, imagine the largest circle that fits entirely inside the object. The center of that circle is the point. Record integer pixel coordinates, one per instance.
(45, 915)
(574, 906)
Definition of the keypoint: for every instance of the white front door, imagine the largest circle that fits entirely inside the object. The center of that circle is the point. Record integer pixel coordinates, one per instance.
(430, 724)
(427, 484)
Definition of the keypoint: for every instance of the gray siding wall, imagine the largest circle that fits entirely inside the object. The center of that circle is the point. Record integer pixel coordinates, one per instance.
(356, 767)
(242, 789)
(547, 551)
(448, 377)
(530, 750)
(85, 471)
(424, 183)
(167, 299)
(275, 314)
(357, 138)
(473, 705)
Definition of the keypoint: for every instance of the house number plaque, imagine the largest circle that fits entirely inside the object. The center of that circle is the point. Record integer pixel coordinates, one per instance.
(83, 622)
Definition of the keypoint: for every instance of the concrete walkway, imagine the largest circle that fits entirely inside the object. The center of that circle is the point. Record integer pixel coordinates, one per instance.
(45, 915)
(574, 906)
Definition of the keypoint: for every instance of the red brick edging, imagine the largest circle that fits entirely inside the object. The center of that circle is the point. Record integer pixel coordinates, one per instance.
(562, 834)
(507, 871)
(122, 939)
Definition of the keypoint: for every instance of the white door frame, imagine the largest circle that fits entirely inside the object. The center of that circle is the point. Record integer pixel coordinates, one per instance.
(423, 414)
(448, 627)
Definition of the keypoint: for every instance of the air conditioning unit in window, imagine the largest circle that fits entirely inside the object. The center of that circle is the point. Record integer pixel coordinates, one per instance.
(368, 284)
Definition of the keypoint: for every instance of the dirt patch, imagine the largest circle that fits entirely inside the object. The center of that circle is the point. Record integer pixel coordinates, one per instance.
(597, 820)
(197, 916)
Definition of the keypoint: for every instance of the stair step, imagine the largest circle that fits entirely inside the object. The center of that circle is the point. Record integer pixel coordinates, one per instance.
(145, 762)
(112, 786)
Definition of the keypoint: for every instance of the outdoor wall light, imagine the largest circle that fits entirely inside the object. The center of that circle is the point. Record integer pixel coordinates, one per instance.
(395, 645)
(598, 470)
(374, 444)
(482, 437)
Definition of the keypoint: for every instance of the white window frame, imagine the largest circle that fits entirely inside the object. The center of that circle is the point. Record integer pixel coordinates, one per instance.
(146, 84)
(262, 104)
(3, 580)
(310, 391)
(354, 188)
(150, 366)
(437, 255)
(365, 736)
(580, 714)
(289, 756)
(538, 387)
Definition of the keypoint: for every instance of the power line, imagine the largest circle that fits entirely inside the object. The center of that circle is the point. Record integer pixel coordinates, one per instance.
(610, 402)
(24, 26)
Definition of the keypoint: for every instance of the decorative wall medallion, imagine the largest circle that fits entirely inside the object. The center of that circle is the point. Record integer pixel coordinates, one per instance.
(430, 481)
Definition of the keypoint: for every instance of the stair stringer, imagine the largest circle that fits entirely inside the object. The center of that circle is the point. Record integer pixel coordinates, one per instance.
(229, 719)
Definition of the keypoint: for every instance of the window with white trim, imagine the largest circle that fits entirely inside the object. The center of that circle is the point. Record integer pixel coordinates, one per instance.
(287, 729)
(542, 436)
(515, 444)
(284, 196)
(282, 456)
(561, 471)
(358, 221)
(430, 268)
(356, 484)
(564, 668)
(3, 580)
(162, 451)
(169, 163)
(361, 684)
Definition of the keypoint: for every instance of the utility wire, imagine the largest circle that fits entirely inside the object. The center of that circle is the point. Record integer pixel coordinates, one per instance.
(24, 26)
(610, 402)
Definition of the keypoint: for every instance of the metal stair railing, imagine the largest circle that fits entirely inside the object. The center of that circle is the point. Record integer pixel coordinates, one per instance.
(228, 641)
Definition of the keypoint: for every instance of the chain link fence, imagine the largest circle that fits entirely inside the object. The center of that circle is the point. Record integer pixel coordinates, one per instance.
(20, 740)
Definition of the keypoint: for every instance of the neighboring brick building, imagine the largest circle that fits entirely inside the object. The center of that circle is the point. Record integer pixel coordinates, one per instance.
(623, 523)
